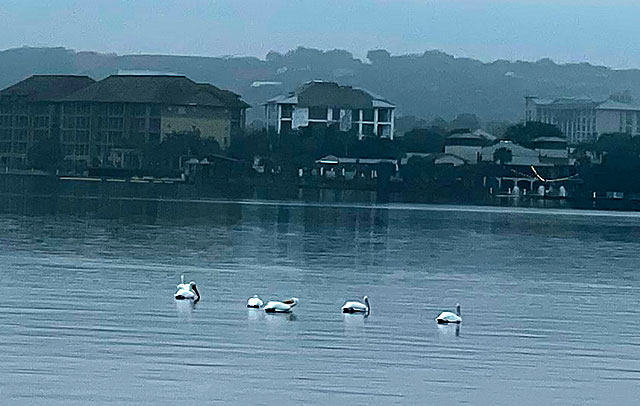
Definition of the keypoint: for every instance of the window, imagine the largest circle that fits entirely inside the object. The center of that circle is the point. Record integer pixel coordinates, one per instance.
(355, 115)
(367, 129)
(141, 123)
(287, 111)
(336, 114)
(41, 121)
(82, 136)
(83, 109)
(69, 108)
(81, 149)
(67, 136)
(82, 122)
(384, 115)
(20, 135)
(5, 147)
(68, 149)
(20, 147)
(139, 110)
(114, 123)
(68, 122)
(367, 115)
(317, 113)
(116, 109)
(154, 125)
(286, 127)
(40, 134)
(154, 111)
(22, 121)
(5, 134)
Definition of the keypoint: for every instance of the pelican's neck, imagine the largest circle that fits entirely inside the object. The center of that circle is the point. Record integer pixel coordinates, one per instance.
(195, 290)
(182, 279)
(366, 301)
(458, 310)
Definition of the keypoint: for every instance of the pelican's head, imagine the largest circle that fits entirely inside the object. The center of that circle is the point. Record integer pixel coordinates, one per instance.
(294, 301)
(366, 301)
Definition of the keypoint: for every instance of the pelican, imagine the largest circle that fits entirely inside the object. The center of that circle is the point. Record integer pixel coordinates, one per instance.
(187, 291)
(357, 307)
(255, 302)
(281, 307)
(448, 317)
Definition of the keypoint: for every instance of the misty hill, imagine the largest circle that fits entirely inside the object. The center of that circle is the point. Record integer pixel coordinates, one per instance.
(425, 85)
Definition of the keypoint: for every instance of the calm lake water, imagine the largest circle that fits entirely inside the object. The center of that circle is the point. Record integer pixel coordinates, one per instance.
(550, 301)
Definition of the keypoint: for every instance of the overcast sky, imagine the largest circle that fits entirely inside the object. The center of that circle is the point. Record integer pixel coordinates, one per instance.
(597, 31)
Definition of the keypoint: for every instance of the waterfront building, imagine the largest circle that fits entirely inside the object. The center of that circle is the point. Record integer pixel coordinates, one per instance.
(109, 121)
(319, 103)
(582, 119)
(468, 145)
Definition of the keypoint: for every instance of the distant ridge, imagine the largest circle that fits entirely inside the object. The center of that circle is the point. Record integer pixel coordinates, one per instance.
(425, 85)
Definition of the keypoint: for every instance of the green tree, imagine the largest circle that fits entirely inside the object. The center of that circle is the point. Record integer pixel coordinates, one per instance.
(45, 154)
(523, 134)
(465, 121)
(502, 155)
(423, 140)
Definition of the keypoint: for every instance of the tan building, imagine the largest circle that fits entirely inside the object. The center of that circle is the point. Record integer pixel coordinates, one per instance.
(584, 120)
(121, 112)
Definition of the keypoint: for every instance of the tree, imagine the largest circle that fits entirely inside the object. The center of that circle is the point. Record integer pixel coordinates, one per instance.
(177, 145)
(45, 154)
(423, 140)
(378, 56)
(523, 134)
(502, 155)
(465, 120)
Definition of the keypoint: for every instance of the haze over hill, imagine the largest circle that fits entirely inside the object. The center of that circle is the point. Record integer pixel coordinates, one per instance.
(425, 85)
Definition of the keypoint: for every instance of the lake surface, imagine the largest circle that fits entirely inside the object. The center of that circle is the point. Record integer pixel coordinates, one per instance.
(550, 302)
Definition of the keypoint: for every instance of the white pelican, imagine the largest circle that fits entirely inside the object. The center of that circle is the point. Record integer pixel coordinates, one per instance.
(357, 307)
(448, 317)
(281, 307)
(255, 302)
(187, 291)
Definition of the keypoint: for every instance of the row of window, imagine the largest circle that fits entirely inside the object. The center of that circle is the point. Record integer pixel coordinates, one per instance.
(16, 147)
(322, 113)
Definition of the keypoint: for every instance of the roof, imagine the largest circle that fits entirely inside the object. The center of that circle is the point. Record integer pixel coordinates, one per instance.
(437, 158)
(566, 102)
(549, 139)
(334, 160)
(614, 105)
(318, 93)
(43, 88)
(581, 102)
(161, 89)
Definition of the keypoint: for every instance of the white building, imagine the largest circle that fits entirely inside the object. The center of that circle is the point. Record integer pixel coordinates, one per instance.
(584, 120)
(319, 103)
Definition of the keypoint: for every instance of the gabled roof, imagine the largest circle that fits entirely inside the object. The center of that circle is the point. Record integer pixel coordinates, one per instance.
(47, 88)
(319, 93)
(161, 89)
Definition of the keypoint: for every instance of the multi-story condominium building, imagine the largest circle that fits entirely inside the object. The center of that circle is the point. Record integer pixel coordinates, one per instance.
(319, 103)
(584, 120)
(93, 120)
